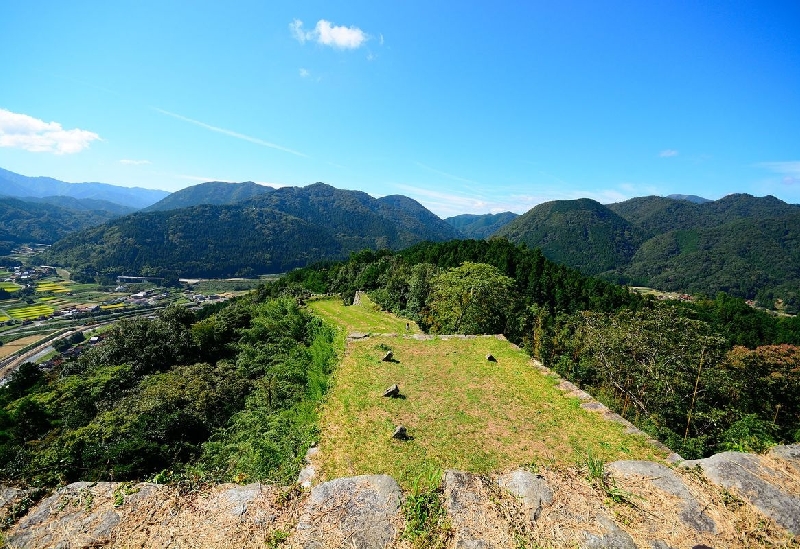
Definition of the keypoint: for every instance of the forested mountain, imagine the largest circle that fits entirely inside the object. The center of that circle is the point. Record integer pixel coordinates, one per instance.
(582, 233)
(271, 233)
(741, 244)
(689, 197)
(22, 221)
(213, 192)
(81, 204)
(16, 185)
(481, 226)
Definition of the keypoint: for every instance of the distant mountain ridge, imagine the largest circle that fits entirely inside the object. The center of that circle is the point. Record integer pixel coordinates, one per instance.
(18, 186)
(689, 198)
(270, 233)
(480, 226)
(212, 192)
(42, 222)
(744, 245)
(581, 233)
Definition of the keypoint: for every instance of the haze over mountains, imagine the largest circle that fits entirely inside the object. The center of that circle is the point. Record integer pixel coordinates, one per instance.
(20, 186)
(744, 245)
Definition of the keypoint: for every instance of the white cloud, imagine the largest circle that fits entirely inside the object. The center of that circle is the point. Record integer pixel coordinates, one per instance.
(304, 73)
(301, 36)
(134, 162)
(786, 168)
(327, 34)
(789, 170)
(231, 133)
(381, 39)
(21, 131)
(667, 153)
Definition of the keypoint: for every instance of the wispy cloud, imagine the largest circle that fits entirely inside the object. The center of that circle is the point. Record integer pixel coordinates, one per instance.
(667, 153)
(20, 131)
(231, 133)
(134, 162)
(449, 203)
(304, 73)
(328, 34)
(789, 170)
(445, 174)
(446, 204)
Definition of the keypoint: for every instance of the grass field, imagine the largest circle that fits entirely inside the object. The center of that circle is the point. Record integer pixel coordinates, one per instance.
(463, 411)
(366, 318)
(30, 313)
(112, 306)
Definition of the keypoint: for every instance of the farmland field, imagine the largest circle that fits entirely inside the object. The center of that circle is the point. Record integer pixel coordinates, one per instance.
(30, 313)
(9, 286)
(55, 287)
(14, 346)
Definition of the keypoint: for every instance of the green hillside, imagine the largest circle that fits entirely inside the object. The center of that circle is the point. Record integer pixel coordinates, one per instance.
(741, 244)
(213, 192)
(582, 233)
(271, 233)
(481, 226)
(22, 221)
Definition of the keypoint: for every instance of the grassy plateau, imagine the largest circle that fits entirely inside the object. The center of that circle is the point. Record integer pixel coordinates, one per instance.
(461, 410)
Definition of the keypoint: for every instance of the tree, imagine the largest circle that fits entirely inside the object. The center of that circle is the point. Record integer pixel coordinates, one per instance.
(474, 298)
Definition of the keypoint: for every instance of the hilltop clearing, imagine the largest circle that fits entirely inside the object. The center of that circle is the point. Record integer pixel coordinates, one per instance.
(464, 411)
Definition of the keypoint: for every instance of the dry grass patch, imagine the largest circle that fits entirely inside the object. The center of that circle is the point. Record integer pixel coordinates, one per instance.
(366, 317)
(13, 346)
(463, 412)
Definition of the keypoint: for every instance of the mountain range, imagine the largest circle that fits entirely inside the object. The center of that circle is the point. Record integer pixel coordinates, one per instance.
(212, 192)
(744, 245)
(21, 186)
(480, 226)
(269, 233)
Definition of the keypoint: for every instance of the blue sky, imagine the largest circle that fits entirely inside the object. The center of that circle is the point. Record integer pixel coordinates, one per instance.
(467, 107)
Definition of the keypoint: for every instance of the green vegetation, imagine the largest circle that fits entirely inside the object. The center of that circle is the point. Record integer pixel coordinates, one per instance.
(23, 221)
(30, 313)
(582, 233)
(480, 226)
(426, 519)
(674, 369)
(462, 410)
(49, 286)
(270, 233)
(212, 192)
(365, 318)
(9, 286)
(742, 245)
(230, 396)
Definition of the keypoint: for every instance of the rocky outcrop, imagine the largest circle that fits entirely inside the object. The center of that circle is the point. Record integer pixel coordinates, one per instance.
(759, 481)
(360, 512)
(730, 500)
